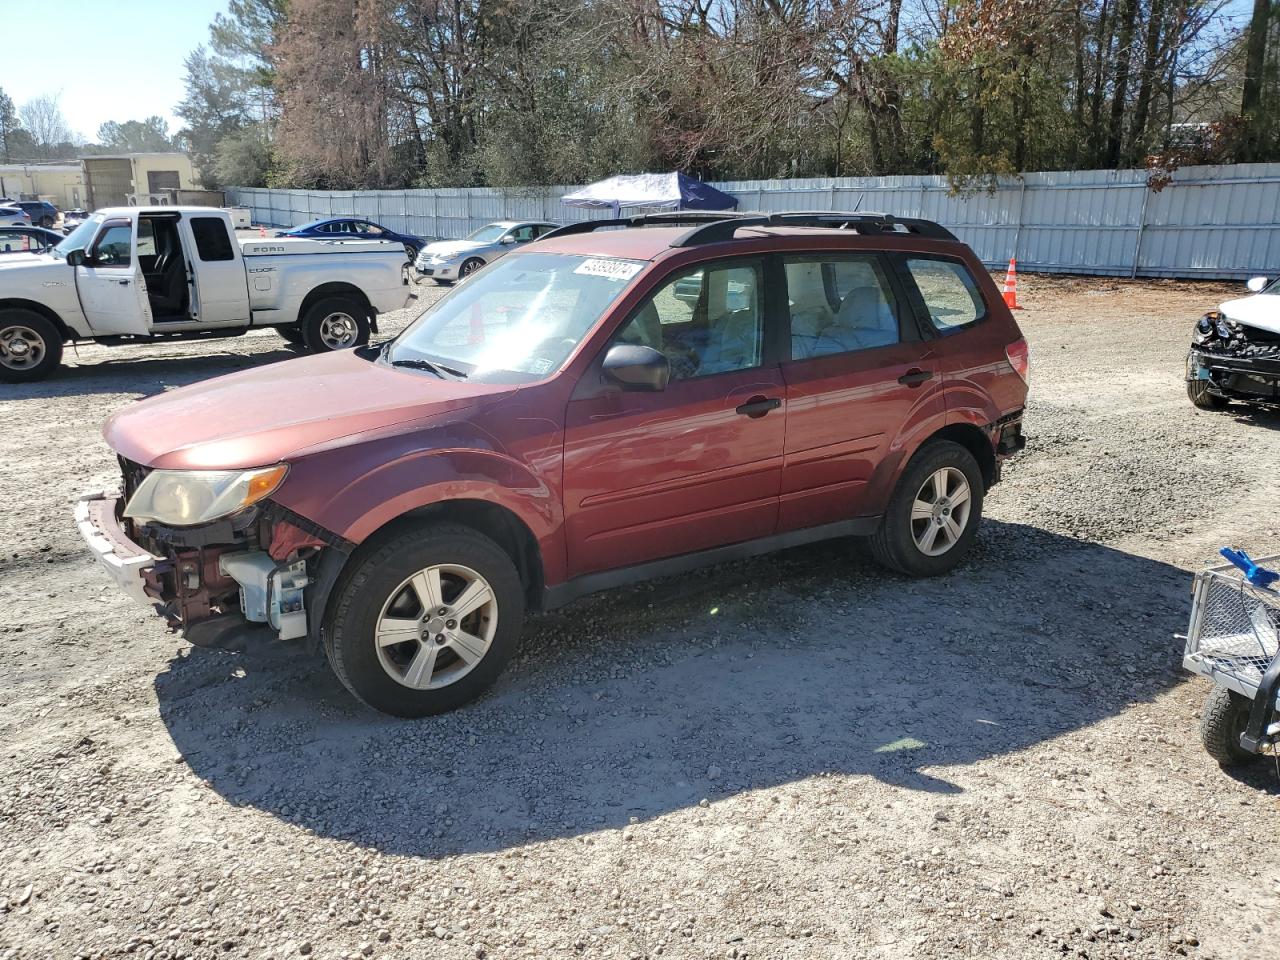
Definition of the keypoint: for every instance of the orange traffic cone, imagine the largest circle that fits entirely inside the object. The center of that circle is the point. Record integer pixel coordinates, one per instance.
(1011, 286)
(262, 232)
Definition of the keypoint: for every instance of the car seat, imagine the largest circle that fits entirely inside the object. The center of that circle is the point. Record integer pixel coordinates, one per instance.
(864, 320)
(167, 286)
(810, 310)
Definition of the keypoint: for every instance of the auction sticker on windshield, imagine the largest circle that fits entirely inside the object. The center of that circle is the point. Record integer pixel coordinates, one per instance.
(611, 269)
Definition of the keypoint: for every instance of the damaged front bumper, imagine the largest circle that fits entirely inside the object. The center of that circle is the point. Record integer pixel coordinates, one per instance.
(209, 582)
(1248, 378)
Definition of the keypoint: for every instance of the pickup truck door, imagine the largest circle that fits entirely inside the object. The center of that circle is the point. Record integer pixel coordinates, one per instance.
(109, 283)
(221, 287)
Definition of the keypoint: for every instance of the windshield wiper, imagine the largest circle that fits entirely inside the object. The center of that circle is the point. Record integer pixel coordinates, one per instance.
(439, 369)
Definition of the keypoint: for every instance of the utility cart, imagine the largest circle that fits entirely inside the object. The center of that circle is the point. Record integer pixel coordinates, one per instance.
(1234, 640)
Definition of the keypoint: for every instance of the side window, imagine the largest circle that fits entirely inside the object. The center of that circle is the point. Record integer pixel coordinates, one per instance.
(372, 229)
(111, 248)
(146, 238)
(14, 242)
(522, 234)
(704, 320)
(212, 240)
(839, 304)
(949, 292)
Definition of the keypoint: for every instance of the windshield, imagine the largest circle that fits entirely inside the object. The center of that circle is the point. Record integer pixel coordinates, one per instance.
(78, 238)
(518, 319)
(488, 234)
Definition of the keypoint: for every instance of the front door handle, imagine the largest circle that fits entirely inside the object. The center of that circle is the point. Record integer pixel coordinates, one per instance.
(915, 376)
(123, 283)
(757, 407)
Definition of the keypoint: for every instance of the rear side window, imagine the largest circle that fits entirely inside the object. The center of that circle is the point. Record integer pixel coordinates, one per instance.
(839, 304)
(949, 293)
(212, 240)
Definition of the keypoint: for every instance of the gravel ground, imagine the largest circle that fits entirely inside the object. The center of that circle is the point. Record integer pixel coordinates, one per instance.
(795, 756)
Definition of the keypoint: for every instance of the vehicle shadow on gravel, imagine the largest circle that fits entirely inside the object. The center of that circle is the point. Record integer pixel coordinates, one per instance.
(644, 701)
(130, 371)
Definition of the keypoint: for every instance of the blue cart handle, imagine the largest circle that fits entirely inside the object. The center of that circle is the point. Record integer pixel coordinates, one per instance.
(1258, 576)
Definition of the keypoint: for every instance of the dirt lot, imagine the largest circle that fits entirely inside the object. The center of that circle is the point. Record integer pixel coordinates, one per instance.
(796, 756)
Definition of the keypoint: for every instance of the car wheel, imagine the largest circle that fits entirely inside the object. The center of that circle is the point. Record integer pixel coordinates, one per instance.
(1225, 716)
(1202, 399)
(30, 346)
(934, 512)
(469, 267)
(426, 622)
(46, 222)
(411, 252)
(334, 323)
(293, 334)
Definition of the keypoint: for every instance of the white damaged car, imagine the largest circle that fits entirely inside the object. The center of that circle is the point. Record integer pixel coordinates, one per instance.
(1235, 351)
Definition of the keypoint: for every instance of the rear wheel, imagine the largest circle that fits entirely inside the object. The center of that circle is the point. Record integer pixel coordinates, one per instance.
(411, 252)
(1225, 716)
(30, 346)
(1201, 398)
(934, 512)
(425, 623)
(334, 323)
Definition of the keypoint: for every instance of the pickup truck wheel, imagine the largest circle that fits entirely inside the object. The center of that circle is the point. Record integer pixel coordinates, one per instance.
(334, 323)
(933, 514)
(1200, 397)
(30, 346)
(426, 622)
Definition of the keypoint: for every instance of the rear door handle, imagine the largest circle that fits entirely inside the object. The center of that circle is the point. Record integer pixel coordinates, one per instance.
(758, 406)
(915, 376)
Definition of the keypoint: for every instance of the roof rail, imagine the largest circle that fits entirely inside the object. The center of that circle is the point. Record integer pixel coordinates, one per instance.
(867, 223)
(674, 218)
(718, 227)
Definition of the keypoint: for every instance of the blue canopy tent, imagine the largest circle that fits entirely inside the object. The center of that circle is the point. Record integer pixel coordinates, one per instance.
(662, 191)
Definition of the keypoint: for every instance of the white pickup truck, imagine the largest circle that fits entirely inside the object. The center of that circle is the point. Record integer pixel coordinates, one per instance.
(133, 274)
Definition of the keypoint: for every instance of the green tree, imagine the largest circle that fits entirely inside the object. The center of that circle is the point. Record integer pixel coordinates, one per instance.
(8, 125)
(136, 136)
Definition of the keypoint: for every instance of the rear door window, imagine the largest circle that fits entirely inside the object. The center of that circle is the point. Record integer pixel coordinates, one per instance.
(839, 304)
(948, 291)
(212, 240)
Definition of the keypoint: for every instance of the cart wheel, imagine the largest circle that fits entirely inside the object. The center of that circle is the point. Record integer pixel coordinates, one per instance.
(1226, 714)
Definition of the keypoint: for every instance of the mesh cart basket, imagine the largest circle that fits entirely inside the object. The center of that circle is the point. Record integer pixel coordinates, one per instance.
(1234, 640)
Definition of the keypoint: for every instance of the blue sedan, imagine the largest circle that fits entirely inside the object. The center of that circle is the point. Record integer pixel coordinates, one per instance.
(353, 228)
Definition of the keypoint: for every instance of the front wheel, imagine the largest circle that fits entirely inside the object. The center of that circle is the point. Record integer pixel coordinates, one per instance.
(933, 514)
(1225, 717)
(426, 623)
(30, 346)
(1200, 397)
(469, 267)
(411, 252)
(334, 323)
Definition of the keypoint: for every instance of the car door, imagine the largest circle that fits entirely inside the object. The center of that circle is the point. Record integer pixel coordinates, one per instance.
(220, 283)
(857, 371)
(109, 283)
(649, 475)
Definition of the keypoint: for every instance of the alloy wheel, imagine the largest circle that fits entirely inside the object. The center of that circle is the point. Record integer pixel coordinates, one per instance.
(339, 330)
(940, 511)
(21, 348)
(436, 626)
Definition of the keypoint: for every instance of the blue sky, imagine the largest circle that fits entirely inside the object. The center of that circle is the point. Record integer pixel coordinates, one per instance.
(154, 36)
(55, 46)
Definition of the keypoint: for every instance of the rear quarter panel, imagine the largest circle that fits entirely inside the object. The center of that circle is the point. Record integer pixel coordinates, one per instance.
(278, 283)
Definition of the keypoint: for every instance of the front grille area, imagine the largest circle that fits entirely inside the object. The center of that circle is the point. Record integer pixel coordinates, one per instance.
(134, 474)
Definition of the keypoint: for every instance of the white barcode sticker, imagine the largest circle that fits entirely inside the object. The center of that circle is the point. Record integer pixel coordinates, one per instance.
(610, 269)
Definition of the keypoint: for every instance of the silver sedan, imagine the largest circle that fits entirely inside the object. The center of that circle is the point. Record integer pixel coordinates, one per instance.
(448, 260)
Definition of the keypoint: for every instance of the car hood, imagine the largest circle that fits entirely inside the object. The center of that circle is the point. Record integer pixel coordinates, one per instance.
(281, 411)
(452, 248)
(34, 261)
(1262, 310)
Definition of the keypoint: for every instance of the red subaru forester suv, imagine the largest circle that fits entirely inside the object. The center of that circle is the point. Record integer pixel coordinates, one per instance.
(623, 399)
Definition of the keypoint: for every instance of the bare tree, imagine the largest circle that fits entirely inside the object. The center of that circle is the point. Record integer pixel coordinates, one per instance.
(42, 118)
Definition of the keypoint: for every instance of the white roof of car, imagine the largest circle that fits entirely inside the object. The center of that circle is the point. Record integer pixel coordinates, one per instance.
(129, 211)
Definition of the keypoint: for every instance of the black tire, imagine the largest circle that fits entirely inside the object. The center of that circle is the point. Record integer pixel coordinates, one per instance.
(444, 283)
(46, 345)
(1225, 716)
(292, 334)
(46, 222)
(312, 323)
(894, 542)
(1202, 399)
(469, 267)
(376, 579)
(411, 252)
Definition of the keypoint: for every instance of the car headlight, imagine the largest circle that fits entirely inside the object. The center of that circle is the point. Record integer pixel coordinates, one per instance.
(184, 498)
(1223, 330)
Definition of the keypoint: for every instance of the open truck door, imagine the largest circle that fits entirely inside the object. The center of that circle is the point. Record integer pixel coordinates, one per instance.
(109, 282)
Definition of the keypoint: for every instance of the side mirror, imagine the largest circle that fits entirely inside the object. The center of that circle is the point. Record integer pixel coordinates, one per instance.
(507, 239)
(75, 258)
(637, 368)
(1256, 284)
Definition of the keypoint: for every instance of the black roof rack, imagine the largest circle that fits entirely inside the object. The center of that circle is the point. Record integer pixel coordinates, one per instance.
(718, 227)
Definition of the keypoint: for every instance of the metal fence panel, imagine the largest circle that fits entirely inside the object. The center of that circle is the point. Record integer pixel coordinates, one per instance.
(1219, 221)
